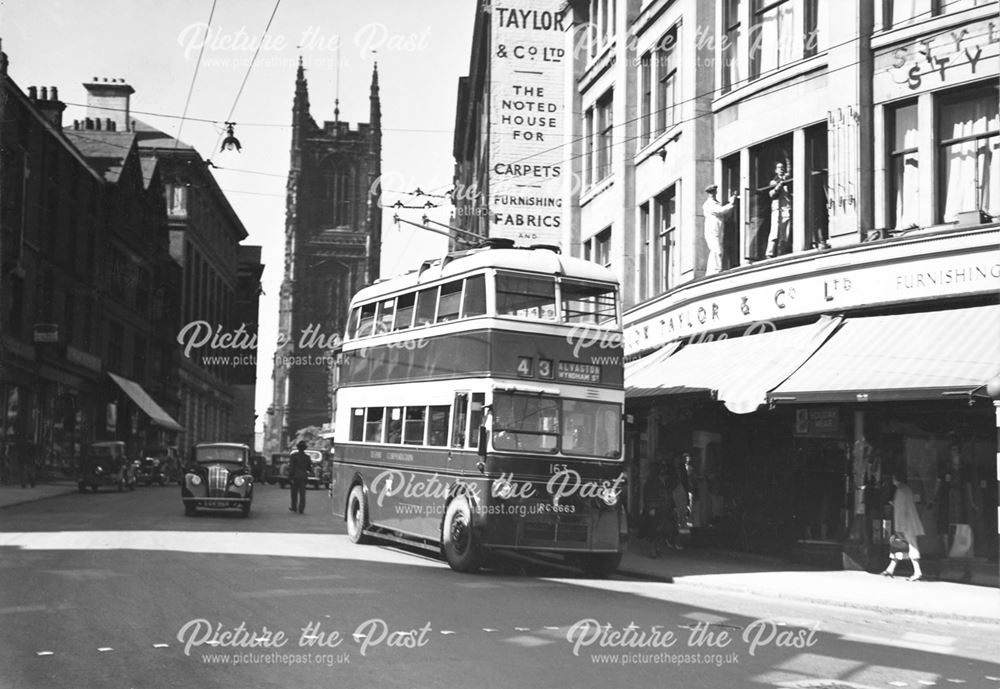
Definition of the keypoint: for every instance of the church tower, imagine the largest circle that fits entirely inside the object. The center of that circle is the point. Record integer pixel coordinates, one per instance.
(333, 233)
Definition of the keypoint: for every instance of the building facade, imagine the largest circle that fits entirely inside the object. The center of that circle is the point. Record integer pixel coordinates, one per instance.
(770, 180)
(87, 289)
(332, 248)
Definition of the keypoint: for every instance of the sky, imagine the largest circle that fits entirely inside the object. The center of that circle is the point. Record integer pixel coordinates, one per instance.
(421, 47)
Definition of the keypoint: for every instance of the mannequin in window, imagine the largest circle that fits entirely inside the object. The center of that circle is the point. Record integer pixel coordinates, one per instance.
(953, 492)
(781, 212)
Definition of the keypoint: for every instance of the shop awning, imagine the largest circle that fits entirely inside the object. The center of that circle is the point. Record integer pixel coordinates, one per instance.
(914, 356)
(149, 407)
(634, 369)
(739, 370)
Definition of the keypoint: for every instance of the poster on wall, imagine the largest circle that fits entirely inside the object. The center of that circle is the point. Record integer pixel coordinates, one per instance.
(526, 121)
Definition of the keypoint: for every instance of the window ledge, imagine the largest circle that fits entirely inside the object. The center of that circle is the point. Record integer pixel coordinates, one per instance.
(771, 79)
(888, 37)
(668, 136)
(596, 190)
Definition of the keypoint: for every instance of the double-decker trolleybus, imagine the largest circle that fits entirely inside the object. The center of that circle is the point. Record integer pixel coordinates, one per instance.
(480, 408)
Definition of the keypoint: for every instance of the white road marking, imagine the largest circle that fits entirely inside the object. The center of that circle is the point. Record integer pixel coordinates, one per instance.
(447, 631)
(161, 645)
(522, 629)
(104, 649)
(44, 653)
(490, 629)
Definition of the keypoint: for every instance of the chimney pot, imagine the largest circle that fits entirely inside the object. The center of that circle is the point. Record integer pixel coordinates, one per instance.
(33, 92)
(53, 93)
(45, 93)
(76, 124)
(89, 123)
(98, 123)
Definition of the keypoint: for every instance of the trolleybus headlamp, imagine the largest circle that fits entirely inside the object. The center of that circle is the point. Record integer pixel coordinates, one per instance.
(239, 481)
(503, 489)
(609, 496)
(194, 479)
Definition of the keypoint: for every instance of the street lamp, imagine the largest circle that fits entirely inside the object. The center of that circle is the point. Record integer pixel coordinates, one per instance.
(230, 143)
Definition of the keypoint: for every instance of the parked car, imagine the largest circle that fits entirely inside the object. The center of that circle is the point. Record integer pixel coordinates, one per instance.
(218, 477)
(277, 471)
(320, 469)
(105, 464)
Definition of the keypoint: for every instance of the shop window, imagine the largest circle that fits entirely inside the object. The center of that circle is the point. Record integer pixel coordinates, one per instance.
(731, 222)
(772, 198)
(645, 98)
(969, 153)
(176, 200)
(904, 167)
(732, 45)
(817, 216)
(667, 90)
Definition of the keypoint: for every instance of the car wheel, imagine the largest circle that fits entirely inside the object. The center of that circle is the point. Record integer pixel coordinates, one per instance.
(357, 515)
(95, 488)
(81, 487)
(121, 485)
(188, 509)
(598, 565)
(458, 539)
(245, 511)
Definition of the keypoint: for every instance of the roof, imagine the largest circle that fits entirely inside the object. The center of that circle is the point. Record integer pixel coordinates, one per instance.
(105, 151)
(533, 260)
(151, 137)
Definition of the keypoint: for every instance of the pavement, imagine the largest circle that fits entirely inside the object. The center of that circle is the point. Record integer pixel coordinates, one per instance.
(749, 574)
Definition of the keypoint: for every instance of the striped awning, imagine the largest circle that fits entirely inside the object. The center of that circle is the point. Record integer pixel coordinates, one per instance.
(740, 371)
(914, 356)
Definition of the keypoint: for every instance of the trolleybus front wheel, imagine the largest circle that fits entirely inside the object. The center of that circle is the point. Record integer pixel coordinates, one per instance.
(357, 515)
(458, 541)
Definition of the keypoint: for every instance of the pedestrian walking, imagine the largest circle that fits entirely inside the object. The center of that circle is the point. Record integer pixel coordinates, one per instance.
(907, 524)
(657, 507)
(298, 471)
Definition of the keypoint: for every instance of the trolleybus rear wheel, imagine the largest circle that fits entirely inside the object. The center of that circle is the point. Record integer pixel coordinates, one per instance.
(458, 540)
(357, 515)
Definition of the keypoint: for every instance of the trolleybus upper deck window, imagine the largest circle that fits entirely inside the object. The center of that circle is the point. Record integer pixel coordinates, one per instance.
(588, 303)
(526, 296)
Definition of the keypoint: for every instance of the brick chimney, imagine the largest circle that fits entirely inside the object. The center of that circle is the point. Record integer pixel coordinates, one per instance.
(108, 99)
(48, 104)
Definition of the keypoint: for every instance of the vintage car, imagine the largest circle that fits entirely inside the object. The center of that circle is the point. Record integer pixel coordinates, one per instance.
(320, 470)
(105, 464)
(218, 477)
(277, 470)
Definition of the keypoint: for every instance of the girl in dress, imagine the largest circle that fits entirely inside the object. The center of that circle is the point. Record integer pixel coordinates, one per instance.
(904, 509)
